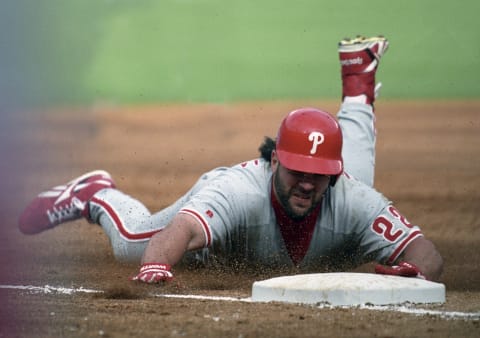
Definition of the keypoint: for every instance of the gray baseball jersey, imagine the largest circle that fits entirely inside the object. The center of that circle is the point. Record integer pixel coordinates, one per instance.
(354, 223)
(235, 209)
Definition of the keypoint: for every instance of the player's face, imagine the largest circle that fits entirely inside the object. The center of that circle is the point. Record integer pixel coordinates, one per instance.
(298, 192)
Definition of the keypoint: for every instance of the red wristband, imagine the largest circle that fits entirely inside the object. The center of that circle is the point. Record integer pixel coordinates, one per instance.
(158, 266)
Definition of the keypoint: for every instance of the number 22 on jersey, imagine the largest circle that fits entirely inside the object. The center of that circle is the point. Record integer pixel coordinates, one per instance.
(386, 228)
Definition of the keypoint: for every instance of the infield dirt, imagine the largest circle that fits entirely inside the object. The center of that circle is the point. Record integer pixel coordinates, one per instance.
(428, 163)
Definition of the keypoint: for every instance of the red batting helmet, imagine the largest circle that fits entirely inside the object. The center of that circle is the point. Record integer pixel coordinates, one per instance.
(310, 140)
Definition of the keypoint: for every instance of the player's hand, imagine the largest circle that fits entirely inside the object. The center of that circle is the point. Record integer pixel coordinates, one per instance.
(403, 269)
(154, 273)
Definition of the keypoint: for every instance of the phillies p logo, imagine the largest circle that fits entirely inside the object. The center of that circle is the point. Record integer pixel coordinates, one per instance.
(316, 138)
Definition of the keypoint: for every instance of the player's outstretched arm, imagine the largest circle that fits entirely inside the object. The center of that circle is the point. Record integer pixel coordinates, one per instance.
(167, 247)
(419, 259)
(425, 256)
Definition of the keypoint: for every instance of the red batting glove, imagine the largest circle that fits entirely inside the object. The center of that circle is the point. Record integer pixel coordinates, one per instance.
(154, 273)
(403, 269)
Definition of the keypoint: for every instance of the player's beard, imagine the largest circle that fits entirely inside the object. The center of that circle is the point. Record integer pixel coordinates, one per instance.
(284, 195)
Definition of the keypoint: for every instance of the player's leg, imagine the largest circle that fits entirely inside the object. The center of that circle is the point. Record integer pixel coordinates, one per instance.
(73, 201)
(129, 224)
(357, 123)
(93, 196)
(126, 222)
(359, 59)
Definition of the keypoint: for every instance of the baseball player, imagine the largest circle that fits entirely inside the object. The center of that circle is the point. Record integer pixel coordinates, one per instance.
(307, 202)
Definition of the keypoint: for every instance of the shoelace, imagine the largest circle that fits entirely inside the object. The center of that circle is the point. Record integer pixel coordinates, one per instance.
(66, 212)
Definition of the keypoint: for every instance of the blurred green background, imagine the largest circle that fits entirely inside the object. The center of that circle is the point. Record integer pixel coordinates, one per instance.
(59, 52)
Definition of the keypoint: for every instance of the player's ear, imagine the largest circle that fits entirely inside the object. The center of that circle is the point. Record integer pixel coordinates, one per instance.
(274, 161)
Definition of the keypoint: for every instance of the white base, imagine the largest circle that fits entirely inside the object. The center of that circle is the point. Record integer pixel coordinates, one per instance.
(344, 288)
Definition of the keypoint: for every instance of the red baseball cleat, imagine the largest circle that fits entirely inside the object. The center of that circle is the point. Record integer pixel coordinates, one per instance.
(63, 203)
(359, 59)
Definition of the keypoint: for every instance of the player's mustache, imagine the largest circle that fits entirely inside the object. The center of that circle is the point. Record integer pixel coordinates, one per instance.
(301, 192)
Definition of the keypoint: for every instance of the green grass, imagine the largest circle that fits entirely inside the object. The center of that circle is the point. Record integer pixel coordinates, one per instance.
(127, 51)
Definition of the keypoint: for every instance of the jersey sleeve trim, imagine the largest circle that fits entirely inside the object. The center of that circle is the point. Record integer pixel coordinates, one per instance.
(202, 221)
(396, 253)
